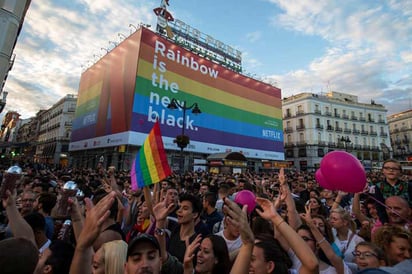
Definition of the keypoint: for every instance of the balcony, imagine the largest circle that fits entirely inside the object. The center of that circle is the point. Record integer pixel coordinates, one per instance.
(317, 111)
(322, 143)
(287, 115)
(353, 117)
(347, 131)
(383, 134)
(381, 121)
(373, 133)
(356, 131)
(364, 132)
(331, 144)
(289, 144)
(301, 143)
(365, 147)
(328, 113)
(288, 129)
(345, 116)
(375, 148)
(68, 124)
(300, 127)
(357, 147)
(320, 127)
(371, 120)
(338, 129)
(300, 113)
(337, 115)
(363, 119)
(329, 128)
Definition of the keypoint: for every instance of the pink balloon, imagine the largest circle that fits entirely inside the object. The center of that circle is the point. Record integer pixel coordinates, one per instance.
(246, 197)
(343, 171)
(322, 181)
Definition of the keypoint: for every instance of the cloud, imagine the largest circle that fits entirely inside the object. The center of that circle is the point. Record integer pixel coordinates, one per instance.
(369, 47)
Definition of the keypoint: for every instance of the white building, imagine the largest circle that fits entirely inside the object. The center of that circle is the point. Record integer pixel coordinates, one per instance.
(54, 131)
(400, 129)
(315, 124)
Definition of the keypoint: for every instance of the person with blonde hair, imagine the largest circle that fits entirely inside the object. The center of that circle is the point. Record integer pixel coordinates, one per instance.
(344, 233)
(110, 258)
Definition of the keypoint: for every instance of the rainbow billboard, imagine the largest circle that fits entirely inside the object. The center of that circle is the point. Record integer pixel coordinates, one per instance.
(122, 95)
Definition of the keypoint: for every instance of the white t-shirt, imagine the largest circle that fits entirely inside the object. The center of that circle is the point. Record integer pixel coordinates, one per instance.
(232, 245)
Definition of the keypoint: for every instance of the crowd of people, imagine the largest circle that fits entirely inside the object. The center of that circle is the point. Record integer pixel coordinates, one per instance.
(197, 223)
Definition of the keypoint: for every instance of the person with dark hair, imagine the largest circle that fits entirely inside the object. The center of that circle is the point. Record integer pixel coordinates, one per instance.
(38, 224)
(270, 254)
(189, 211)
(18, 255)
(56, 259)
(44, 204)
(211, 257)
(210, 215)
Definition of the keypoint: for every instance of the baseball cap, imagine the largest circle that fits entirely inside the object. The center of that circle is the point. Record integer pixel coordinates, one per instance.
(142, 237)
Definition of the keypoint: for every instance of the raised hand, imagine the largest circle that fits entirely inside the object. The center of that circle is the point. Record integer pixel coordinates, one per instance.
(191, 250)
(268, 208)
(160, 211)
(95, 217)
(238, 218)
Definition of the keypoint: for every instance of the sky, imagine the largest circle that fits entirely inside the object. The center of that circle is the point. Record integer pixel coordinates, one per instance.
(362, 48)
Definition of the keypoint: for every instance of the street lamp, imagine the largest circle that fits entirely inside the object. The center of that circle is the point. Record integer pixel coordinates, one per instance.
(183, 140)
(346, 141)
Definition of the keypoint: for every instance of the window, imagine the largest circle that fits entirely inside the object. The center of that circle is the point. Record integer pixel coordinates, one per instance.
(321, 152)
(289, 153)
(302, 152)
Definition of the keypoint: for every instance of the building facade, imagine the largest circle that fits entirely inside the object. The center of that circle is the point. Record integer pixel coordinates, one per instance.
(54, 132)
(400, 129)
(315, 124)
(12, 13)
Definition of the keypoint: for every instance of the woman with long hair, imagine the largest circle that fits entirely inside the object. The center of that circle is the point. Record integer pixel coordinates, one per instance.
(212, 256)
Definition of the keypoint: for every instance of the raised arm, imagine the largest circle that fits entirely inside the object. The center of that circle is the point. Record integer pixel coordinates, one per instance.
(323, 243)
(286, 195)
(19, 227)
(95, 217)
(298, 245)
(356, 209)
(238, 217)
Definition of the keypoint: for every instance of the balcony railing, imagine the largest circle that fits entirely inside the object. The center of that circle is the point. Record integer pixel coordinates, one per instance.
(373, 133)
(356, 131)
(364, 132)
(363, 119)
(381, 121)
(338, 129)
(319, 127)
(328, 113)
(383, 134)
(347, 131)
(287, 115)
(337, 115)
(331, 144)
(300, 113)
(329, 128)
(300, 127)
(345, 116)
(317, 111)
(288, 129)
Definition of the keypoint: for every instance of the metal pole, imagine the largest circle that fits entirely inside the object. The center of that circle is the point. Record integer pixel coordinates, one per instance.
(182, 159)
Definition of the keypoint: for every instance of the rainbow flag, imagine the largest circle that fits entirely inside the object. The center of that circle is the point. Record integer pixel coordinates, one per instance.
(150, 165)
